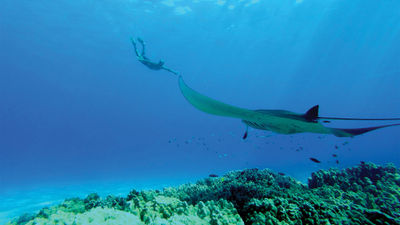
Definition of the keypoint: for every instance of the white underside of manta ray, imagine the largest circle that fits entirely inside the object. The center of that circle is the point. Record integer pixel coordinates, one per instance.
(278, 121)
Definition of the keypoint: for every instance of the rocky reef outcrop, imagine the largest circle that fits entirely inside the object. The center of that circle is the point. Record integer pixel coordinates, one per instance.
(365, 194)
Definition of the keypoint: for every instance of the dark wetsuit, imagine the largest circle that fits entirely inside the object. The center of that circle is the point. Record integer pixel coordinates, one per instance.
(146, 61)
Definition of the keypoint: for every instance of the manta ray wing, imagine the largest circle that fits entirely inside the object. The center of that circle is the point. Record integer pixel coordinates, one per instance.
(211, 106)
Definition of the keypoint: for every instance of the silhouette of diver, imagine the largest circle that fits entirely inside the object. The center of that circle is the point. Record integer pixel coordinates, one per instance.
(146, 61)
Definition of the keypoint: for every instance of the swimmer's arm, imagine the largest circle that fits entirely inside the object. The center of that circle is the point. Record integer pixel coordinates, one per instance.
(170, 70)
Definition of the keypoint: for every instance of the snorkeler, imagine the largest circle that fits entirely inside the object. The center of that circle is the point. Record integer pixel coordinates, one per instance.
(146, 61)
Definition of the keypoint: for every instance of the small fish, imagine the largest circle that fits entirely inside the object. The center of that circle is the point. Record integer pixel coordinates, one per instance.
(362, 163)
(336, 147)
(326, 121)
(213, 175)
(334, 155)
(337, 161)
(315, 160)
(282, 174)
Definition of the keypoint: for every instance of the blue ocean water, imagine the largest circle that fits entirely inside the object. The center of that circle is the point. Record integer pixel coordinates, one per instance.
(79, 113)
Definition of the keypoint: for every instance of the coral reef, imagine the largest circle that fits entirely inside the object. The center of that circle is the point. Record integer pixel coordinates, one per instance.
(365, 194)
(139, 208)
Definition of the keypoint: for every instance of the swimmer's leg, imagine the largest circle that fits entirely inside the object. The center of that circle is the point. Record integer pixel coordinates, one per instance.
(143, 45)
(135, 46)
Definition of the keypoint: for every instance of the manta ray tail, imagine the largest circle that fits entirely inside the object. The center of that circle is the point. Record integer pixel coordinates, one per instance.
(339, 132)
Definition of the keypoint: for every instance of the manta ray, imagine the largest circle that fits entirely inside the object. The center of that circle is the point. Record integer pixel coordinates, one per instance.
(278, 121)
